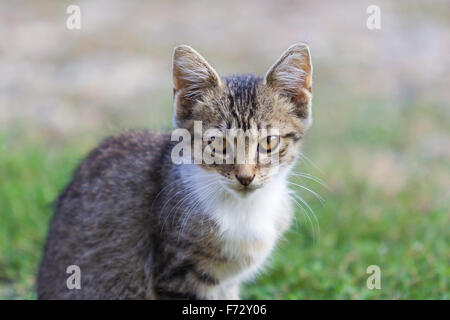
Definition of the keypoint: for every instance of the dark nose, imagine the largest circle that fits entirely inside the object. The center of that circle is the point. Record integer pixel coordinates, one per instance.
(245, 180)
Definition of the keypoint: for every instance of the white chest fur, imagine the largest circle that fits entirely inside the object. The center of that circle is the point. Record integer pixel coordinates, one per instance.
(250, 226)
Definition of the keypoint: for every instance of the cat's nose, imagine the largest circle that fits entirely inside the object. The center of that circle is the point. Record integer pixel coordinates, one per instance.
(245, 180)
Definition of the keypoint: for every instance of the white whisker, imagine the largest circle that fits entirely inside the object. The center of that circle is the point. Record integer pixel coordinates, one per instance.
(318, 196)
(310, 177)
(183, 199)
(197, 203)
(305, 214)
(302, 155)
(311, 210)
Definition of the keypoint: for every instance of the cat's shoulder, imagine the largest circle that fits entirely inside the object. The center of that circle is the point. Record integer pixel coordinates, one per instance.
(131, 143)
(127, 153)
(134, 140)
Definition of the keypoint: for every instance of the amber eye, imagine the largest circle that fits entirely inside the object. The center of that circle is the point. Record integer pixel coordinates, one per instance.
(269, 143)
(218, 144)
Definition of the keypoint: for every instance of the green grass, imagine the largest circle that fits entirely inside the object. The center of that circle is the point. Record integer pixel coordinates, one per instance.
(385, 206)
(31, 177)
(409, 246)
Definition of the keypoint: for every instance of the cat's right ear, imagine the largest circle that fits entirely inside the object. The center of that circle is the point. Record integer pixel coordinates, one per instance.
(192, 76)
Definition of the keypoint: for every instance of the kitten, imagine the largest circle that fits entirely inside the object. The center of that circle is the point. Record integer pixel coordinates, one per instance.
(140, 226)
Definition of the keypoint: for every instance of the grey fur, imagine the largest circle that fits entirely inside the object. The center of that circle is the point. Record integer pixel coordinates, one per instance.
(123, 217)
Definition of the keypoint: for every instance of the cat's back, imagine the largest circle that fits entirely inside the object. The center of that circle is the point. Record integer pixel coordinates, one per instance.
(103, 219)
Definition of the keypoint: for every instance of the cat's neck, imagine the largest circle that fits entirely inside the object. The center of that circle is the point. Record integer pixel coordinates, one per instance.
(247, 226)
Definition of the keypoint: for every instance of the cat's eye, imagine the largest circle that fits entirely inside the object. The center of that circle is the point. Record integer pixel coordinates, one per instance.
(269, 143)
(218, 144)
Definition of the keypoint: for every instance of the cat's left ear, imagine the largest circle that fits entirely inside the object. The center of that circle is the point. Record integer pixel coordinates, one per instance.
(291, 76)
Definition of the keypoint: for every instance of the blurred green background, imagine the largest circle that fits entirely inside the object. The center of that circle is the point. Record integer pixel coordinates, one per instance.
(380, 138)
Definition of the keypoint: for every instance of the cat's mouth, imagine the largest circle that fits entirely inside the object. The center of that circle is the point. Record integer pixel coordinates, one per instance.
(243, 190)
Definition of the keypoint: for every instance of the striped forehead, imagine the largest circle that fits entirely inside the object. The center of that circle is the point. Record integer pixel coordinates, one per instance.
(242, 98)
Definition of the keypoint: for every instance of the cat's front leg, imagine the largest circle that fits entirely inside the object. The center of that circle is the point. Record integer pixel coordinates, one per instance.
(229, 292)
(169, 292)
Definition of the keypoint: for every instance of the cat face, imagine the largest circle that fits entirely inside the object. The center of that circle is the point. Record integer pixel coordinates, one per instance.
(251, 126)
